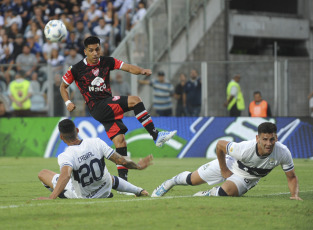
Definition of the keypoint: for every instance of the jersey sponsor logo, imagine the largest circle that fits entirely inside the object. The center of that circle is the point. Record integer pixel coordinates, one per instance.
(95, 72)
(97, 85)
(115, 98)
(97, 81)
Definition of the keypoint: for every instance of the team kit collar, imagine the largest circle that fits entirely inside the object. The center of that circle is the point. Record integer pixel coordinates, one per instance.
(86, 63)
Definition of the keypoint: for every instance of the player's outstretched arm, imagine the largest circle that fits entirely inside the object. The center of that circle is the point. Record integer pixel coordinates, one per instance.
(70, 106)
(120, 160)
(293, 185)
(64, 178)
(136, 69)
(220, 153)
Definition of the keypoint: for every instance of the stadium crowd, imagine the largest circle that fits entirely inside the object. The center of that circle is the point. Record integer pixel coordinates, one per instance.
(24, 49)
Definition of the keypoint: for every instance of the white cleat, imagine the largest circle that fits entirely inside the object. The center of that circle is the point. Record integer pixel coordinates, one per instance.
(211, 192)
(163, 137)
(159, 191)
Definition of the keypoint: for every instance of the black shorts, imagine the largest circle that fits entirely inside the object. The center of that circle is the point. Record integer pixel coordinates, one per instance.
(109, 112)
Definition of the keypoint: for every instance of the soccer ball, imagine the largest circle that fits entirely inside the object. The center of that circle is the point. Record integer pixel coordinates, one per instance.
(55, 31)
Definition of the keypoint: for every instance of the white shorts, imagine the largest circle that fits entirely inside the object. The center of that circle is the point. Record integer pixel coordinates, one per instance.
(69, 188)
(211, 173)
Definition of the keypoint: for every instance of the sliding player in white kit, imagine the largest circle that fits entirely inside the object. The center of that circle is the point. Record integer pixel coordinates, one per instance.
(83, 170)
(240, 165)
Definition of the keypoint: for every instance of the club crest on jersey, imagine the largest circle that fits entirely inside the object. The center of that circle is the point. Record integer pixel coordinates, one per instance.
(95, 72)
(97, 85)
(115, 98)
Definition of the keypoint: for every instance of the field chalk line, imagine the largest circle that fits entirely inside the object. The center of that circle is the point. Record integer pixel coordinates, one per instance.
(121, 201)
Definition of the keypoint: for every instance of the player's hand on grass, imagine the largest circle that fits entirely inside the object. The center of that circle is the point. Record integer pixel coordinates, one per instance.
(145, 162)
(146, 72)
(295, 198)
(71, 107)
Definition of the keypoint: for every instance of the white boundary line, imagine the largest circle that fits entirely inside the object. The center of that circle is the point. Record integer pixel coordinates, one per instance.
(99, 201)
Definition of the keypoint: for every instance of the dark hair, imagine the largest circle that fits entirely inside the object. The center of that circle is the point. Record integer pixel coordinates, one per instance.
(267, 127)
(91, 40)
(67, 129)
(257, 92)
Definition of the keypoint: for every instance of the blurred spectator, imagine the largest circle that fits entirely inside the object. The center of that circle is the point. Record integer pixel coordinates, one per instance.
(91, 16)
(11, 17)
(26, 62)
(73, 57)
(20, 92)
(3, 110)
(119, 86)
(1, 21)
(111, 18)
(33, 30)
(47, 48)
(52, 9)
(35, 48)
(56, 61)
(6, 66)
(71, 42)
(106, 51)
(58, 110)
(102, 30)
(77, 14)
(67, 22)
(102, 5)
(80, 34)
(5, 6)
(235, 102)
(18, 45)
(39, 17)
(5, 44)
(259, 107)
(13, 32)
(139, 15)
(192, 95)
(34, 83)
(22, 8)
(86, 4)
(178, 95)
(162, 94)
(310, 97)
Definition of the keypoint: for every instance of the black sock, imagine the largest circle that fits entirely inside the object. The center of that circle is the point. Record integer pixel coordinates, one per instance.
(145, 119)
(188, 179)
(221, 192)
(122, 171)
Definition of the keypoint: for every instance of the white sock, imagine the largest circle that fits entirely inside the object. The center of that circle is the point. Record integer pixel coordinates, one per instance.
(179, 179)
(125, 186)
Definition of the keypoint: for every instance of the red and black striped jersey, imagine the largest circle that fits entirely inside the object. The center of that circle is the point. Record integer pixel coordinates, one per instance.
(93, 81)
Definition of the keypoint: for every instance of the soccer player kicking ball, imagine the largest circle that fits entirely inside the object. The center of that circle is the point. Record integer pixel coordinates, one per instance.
(83, 170)
(92, 77)
(240, 166)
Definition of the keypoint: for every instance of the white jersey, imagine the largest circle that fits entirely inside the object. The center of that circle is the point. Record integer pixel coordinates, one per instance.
(251, 165)
(90, 177)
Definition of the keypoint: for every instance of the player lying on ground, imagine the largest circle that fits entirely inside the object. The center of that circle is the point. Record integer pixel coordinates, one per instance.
(83, 170)
(241, 166)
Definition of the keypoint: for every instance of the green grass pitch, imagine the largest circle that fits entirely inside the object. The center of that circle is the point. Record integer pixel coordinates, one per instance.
(267, 206)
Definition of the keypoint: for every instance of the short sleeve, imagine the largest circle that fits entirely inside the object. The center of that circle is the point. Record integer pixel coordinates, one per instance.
(64, 160)
(68, 77)
(105, 150)
(287, 162)
(235, 150)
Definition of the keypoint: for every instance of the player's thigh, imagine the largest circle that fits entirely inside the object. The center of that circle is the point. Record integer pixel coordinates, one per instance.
(211, 173)
(243, 184)
(46, 177)
(113, 129)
